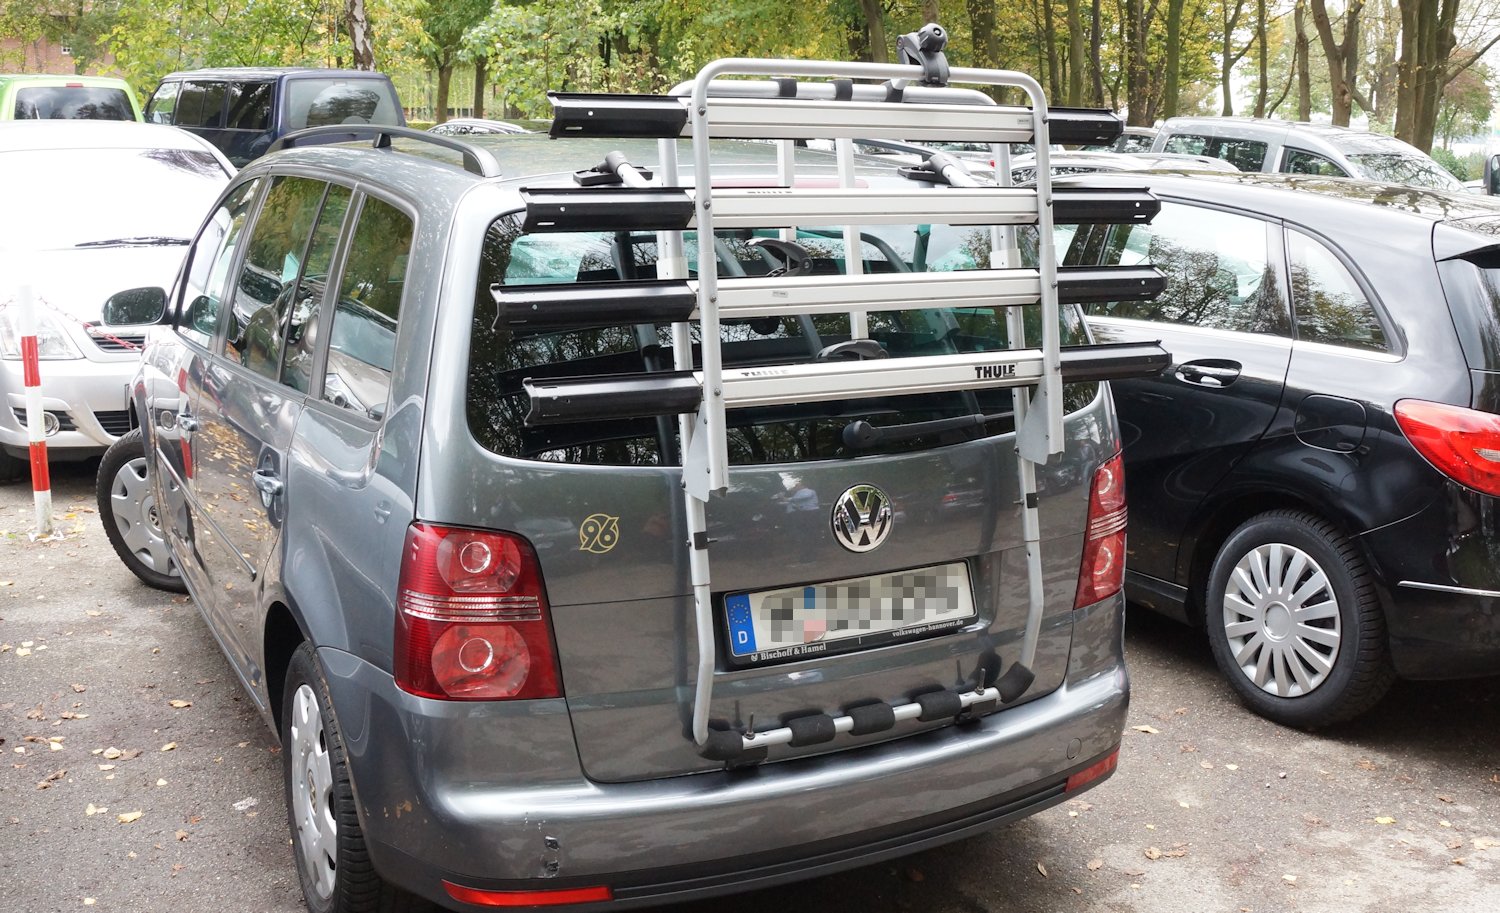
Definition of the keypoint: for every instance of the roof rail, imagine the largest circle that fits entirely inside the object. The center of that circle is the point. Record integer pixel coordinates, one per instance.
(476, 160)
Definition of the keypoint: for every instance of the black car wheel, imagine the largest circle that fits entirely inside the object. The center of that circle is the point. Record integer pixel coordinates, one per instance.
(333, 863)
(131, 516)
(1295, 623)
(11, 467)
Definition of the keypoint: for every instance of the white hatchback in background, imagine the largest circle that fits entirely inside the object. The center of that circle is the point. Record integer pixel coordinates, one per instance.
(92, 207)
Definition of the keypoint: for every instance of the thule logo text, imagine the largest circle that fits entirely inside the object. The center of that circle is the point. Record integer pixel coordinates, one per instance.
(994, 372)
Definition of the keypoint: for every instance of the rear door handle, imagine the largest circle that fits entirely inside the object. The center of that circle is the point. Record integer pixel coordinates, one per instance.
(1208, 374)
(267, 483)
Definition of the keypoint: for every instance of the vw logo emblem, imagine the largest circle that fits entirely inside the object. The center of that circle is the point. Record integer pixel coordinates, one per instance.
(862, 518)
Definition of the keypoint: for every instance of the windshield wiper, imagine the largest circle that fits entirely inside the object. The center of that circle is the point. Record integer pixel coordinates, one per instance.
(139, 241)
(861, 435)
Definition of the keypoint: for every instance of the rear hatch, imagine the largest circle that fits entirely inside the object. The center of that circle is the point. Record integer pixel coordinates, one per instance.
(602, 504)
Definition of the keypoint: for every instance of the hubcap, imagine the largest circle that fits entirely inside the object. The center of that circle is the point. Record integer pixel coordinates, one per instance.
(312, 793)
(1282, 620)
(134, 508)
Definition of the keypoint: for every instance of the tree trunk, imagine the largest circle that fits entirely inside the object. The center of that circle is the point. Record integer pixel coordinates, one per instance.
(1264, 90)
(1174, 58)
(445, 79)
(1304, 76)
(1049, 32)
(1229, 58)
(1096, 40)
(1077, 52)
(1137, 89)
(875, 28)
(1340, 57)
(481, 84)
(361, 42)
(982, 24)
(929, 11)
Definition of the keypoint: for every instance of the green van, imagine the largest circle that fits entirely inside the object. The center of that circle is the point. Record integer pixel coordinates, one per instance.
(36, 96)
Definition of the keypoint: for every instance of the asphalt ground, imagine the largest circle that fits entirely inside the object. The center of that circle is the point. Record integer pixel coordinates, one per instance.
(112, 797)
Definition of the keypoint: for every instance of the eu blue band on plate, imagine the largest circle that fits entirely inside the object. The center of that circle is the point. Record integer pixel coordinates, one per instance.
(741, 627)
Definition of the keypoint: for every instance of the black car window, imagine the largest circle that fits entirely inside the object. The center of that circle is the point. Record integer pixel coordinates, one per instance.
(189, 111)
(1217, 265)
(249, 106)
(1298, 161)
(1135, 142)
(163, 104)
(273, 261)
(302, 317)
(1327, 301)
(208, 266)
(500, 360)
(362, 344)
(1244, 154)
(73, 103)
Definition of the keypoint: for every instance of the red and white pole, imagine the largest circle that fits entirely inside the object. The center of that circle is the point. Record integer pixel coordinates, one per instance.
(41, 482)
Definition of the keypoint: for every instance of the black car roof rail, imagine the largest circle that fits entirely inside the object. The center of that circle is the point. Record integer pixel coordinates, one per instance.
(476, 160)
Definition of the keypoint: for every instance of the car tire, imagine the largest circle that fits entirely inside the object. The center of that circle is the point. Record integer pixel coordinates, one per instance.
(11, 467)
(1295, 623)
(129, 512)
(333, 863)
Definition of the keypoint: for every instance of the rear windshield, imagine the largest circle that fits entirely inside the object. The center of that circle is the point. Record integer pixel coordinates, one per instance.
(1472, 286)
(73, 103)
(1397, 168)
(321, 102)
(500, 360)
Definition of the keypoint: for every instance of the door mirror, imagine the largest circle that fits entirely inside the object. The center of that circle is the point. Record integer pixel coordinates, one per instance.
(135, 306)
(1492, 175)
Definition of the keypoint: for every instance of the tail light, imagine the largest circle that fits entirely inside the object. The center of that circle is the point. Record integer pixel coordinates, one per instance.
(472, 618)
(1463, 444)
(1093, 772)
(1102, 572)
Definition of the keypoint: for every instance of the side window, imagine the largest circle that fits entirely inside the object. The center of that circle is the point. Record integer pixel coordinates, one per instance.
(189, 112)
(249, 106)
(362, 342)
(1296, 161)
(302, 322)
(1187, 144)
(1135, 142)
(1329, 304)
(163, 104)
(267, 280)
(213, 105)
(1217, 266)
(203, 288)
(1244, 154)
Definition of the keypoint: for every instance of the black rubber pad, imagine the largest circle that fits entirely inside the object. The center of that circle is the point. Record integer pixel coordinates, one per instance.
(1014, 682)
(871, 718)
(811, 730)
(723, 745)
(938, 705)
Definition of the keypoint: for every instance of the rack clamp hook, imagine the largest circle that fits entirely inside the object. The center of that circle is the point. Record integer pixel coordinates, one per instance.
(924, 48)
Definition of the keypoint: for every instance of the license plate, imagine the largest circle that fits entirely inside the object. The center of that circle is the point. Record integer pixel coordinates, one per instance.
(844, 615)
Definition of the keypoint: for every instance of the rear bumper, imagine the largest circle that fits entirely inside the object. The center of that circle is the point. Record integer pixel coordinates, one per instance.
(493, 797)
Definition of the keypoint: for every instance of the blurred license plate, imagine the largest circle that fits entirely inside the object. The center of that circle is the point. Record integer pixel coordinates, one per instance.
(847, 614)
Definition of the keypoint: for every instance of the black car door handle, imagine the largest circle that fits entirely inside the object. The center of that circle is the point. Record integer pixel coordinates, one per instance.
(1208, 374)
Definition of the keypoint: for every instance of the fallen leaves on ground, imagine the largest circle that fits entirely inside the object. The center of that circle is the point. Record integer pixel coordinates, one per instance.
(1486, 843)
(79, 689)
(93, 810)
(1042, 869)
(1385, 819)
(112, 753)
(1148, 730)
(182, 835)
(1096, 864)
(47, 781)
(170, 746)
(129, 817)
(180, 705)
(1153, 853)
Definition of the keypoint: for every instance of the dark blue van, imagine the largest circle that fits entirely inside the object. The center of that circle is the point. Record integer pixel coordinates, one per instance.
(242, 110)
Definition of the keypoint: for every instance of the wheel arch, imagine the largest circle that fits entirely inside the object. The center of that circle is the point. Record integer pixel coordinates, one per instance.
(283, 633)
(1218, 520)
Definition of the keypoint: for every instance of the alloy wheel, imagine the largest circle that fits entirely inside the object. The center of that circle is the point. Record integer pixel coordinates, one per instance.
(137, 516)
(1281, 619)
(312, 793)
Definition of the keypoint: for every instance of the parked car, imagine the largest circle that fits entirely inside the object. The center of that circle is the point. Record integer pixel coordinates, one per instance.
(35, 96)
(1023, 167)
(1312, 479)
(90, 207)
(1131, 140)
(1292, 147)
(243, 110)
(354, 497)
(469, 126)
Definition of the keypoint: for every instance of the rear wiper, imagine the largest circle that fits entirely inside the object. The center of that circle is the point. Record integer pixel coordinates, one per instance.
(861, 435)
(139, 241)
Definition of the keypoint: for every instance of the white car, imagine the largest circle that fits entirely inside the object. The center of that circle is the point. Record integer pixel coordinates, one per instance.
(91, 207)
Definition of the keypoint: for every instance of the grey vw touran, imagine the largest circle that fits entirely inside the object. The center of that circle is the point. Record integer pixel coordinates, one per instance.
(412, 436)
